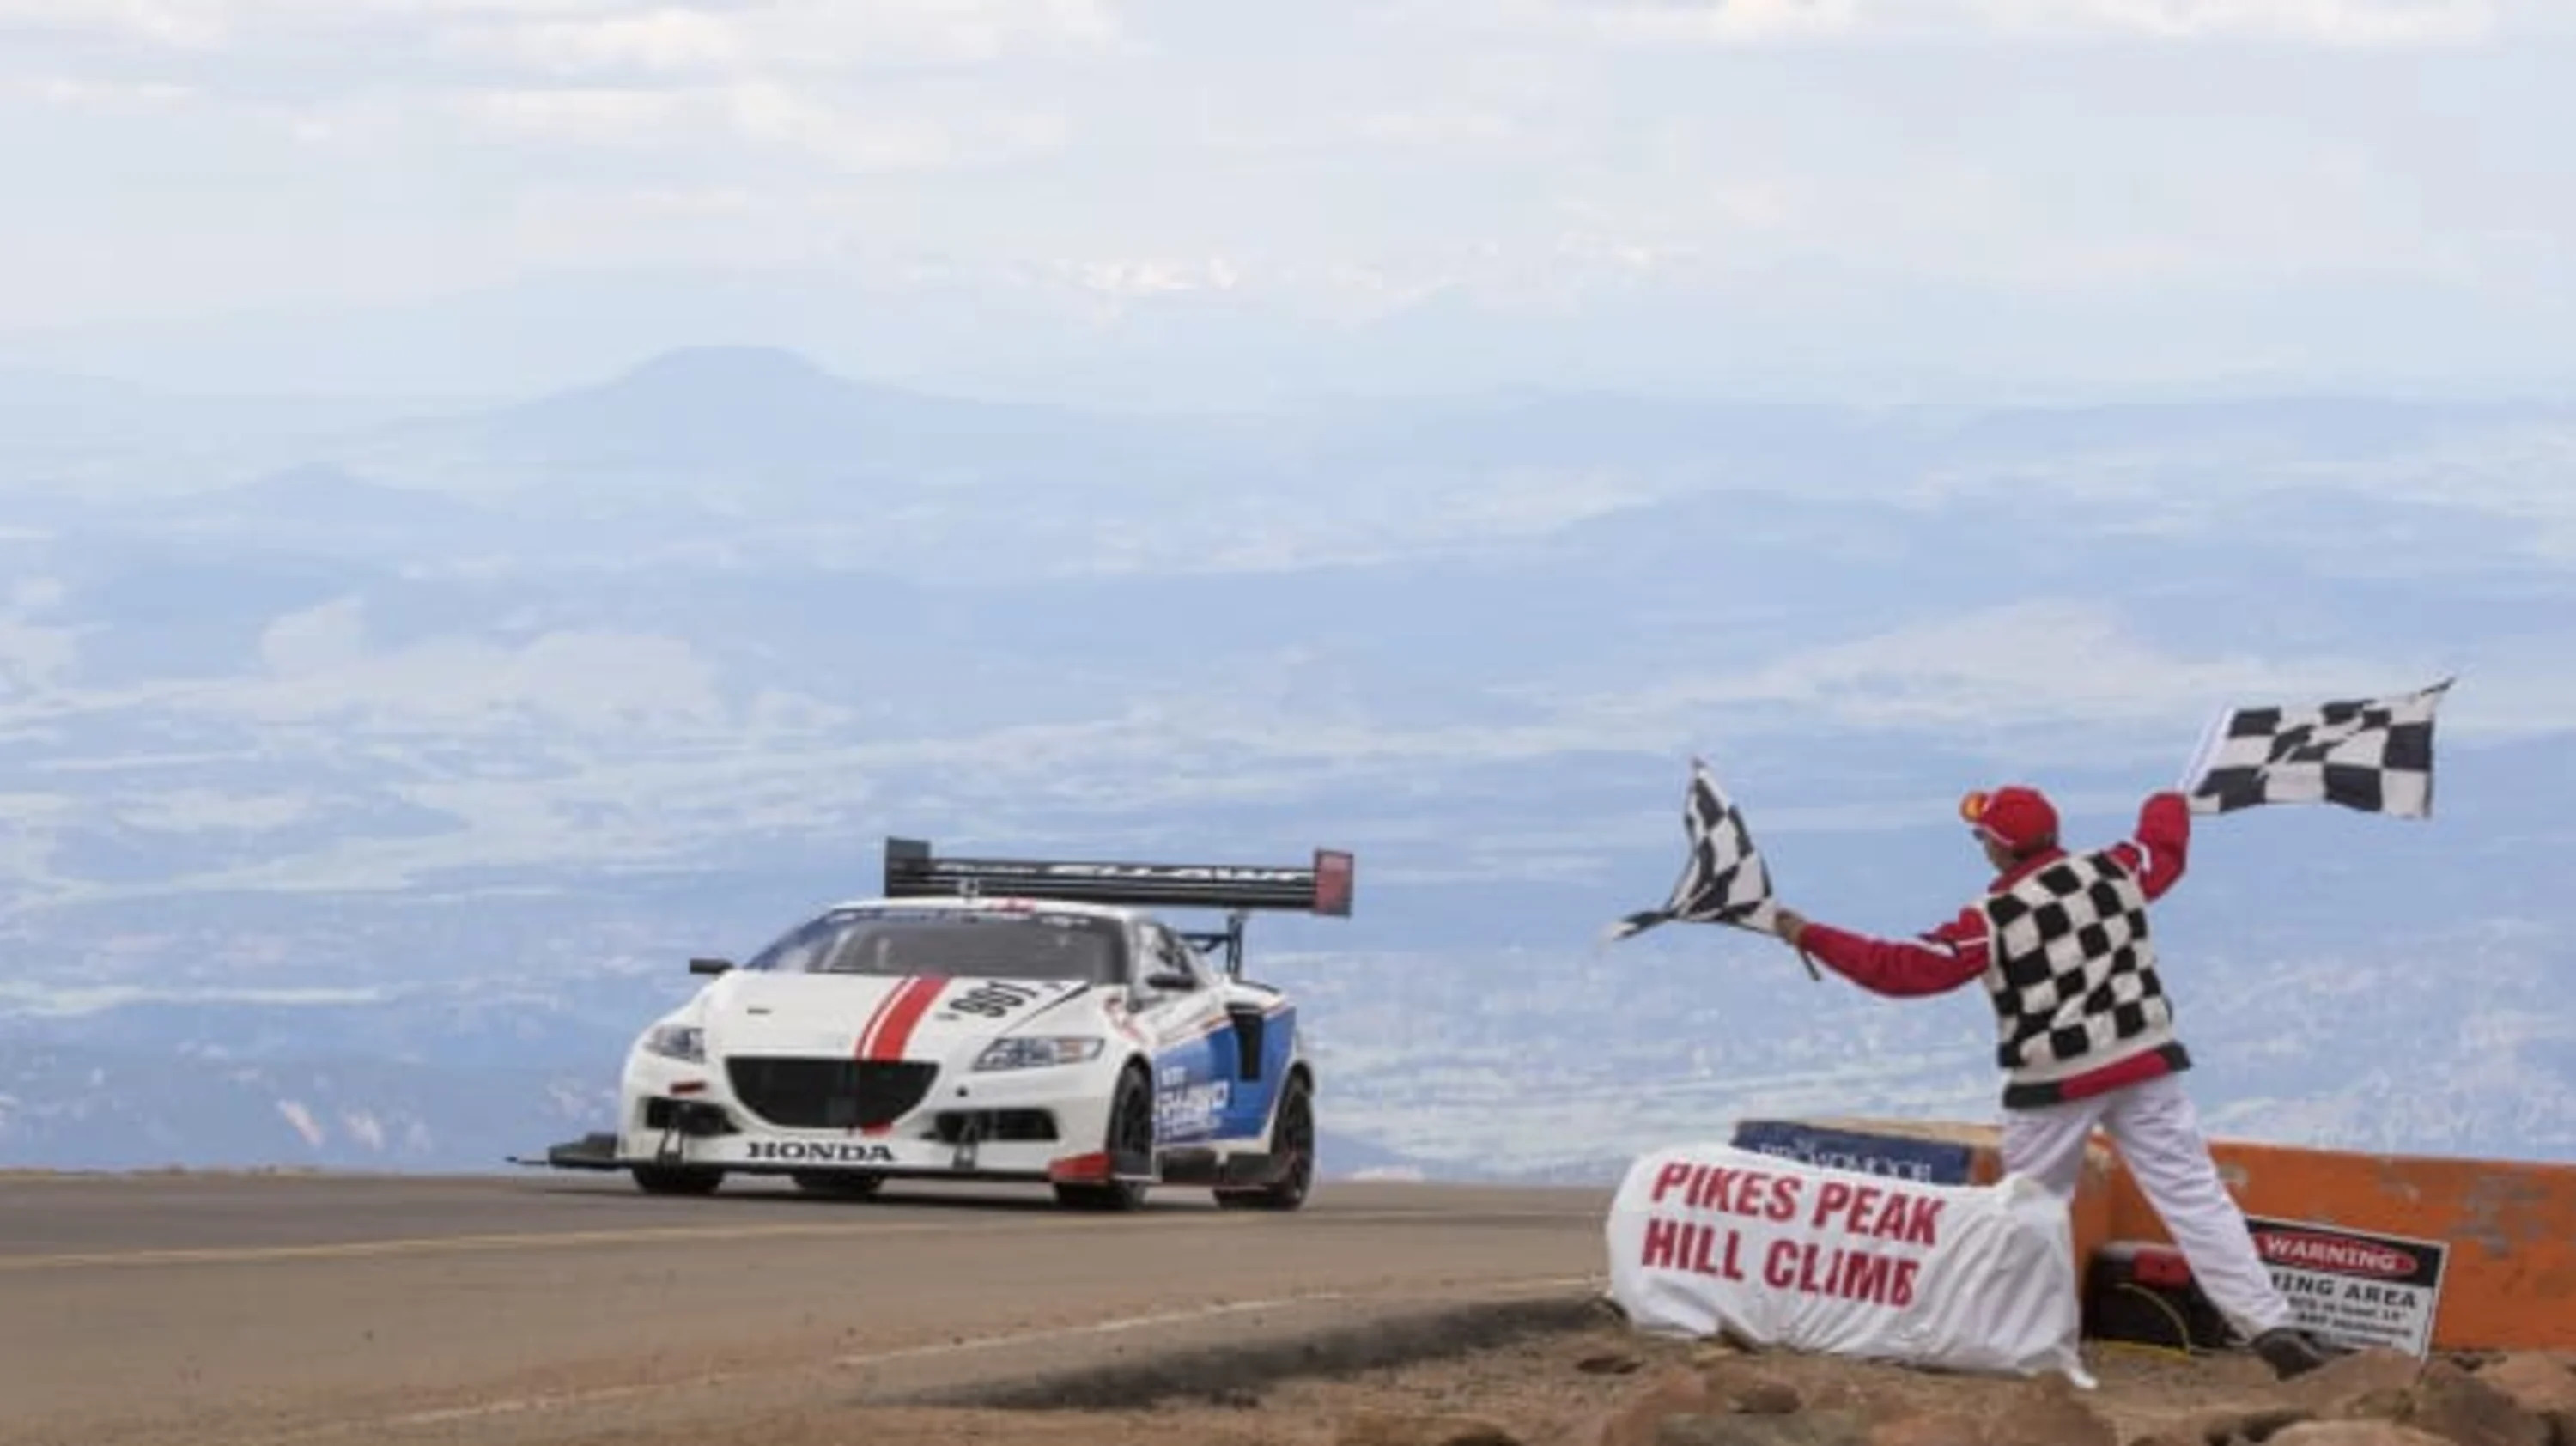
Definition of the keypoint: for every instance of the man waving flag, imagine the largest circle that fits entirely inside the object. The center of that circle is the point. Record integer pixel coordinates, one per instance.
(2370, 754)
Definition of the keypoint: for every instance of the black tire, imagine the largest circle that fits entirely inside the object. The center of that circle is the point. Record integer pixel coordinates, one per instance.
(676, 1180)
(1129, 1140)
(1292, 1145)
(838, 1186)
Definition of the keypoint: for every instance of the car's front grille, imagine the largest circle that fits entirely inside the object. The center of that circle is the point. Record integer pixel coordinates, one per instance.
(828, 1094)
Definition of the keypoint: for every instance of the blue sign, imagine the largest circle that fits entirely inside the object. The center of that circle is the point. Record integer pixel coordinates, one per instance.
(1926, 1162)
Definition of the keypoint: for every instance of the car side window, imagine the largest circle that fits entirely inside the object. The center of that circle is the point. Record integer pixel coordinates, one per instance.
(1173, 956)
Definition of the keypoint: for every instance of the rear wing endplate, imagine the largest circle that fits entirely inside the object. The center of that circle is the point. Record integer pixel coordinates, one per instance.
(1324, 886)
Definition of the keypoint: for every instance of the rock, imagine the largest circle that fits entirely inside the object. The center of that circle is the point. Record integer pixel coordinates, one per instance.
(1378, 1428)
(2047, 1412)
(2456, 1406)
(2333, 1388)
(2355, 1433)
(1805, 1428)
(2259, 1424)
(1943, 1428)
(2544, 1385)
(1612, 1364)
(1633, 1422)
(1875, 1403)
(1767, 1398)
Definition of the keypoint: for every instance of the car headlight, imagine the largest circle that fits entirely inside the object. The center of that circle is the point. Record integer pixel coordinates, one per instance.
(684, 1042)
(1030, 1053)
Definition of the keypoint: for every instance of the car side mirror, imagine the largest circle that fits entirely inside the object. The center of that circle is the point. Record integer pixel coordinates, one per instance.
(709, 966)
(1171, 979)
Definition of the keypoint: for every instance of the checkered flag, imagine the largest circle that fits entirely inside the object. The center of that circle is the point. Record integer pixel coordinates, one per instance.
(1724, 880)
(2370, 754)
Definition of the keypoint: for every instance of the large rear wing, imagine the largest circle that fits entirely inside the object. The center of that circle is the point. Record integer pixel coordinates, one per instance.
(912, 871)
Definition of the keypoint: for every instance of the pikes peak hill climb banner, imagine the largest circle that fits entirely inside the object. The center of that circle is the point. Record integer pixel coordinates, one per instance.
(1708, 1239)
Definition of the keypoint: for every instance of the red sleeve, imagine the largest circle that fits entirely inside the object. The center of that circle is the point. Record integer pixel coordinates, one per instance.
(1948, 957)
(2161, 849)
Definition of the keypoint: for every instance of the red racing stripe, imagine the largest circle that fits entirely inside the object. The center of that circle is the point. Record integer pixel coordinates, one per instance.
(869, 1029)
(892, 1031)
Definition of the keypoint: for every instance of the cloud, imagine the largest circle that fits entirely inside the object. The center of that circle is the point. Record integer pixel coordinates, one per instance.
(320, 666)
(2068, 676)
(2368, 23)
(786, 37)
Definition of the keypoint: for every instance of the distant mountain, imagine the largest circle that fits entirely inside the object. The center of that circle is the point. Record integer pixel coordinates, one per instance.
(721, 419)
(393, 781)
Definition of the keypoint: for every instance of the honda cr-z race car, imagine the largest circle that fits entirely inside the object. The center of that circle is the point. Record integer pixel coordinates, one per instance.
(990, 1019)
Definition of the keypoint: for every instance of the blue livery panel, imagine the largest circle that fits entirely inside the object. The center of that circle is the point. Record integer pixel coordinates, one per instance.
(1247, 1108)
(1201, 1093)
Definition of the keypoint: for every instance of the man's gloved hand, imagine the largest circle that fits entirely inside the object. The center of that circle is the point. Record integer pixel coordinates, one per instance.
(1788, 924)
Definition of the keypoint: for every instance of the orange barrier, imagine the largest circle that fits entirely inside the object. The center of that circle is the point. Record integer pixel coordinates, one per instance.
(2486, 1248)
(2502, 1235)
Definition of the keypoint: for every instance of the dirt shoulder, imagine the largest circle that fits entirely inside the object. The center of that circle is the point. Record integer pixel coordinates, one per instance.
(1563, 1371)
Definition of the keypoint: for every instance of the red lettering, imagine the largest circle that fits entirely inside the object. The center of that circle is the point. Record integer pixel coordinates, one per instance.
(1895, 1220)
(1779, 1270)
(1707, 1259)
(1699, 1185)
(1663, 1242)
(1900, 1293)
(1923, 1222)
(1864, 1206)
(1666, 1178)
(1784, 1198)
(1864, 1277)
(1835, 1196)
(1747, 1193)
(1807, 1270)
(1710, 1187)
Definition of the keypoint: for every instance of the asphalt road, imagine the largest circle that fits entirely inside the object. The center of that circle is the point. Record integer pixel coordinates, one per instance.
(149, 1309)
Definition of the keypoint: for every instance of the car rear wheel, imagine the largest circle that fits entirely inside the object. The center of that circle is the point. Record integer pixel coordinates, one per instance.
(676, 1180)
(1130, 1145)
(1292, 1145)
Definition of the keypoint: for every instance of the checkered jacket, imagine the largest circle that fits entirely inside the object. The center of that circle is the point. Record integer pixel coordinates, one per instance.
(2062, 945)
(2071, 970)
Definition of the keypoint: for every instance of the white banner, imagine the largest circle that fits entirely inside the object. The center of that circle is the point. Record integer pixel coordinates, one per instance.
(1705, 1238)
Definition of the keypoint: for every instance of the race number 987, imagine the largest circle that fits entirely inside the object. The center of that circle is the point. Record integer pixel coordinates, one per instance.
(992, 1000)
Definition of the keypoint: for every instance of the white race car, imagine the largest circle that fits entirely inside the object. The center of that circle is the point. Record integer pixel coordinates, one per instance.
(990, 1019)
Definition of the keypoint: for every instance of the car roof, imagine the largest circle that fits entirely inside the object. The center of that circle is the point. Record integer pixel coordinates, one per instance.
(997, 904)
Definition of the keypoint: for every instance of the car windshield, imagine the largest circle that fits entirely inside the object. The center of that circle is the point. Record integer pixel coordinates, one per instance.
(899, 943)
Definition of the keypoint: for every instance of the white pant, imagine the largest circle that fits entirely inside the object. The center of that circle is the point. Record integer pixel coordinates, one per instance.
(2157, 1132)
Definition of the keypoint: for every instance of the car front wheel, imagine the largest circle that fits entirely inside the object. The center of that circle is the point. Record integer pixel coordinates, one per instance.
(1129, 1143)
(1292, 1148)
(676, 1180)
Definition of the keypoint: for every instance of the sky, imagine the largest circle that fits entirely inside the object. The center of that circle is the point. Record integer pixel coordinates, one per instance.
(2312, 189)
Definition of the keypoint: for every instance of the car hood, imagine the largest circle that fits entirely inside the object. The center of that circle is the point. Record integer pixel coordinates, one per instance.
(872, 1018)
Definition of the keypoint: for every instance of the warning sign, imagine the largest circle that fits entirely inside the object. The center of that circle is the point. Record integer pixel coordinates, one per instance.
(2355, 1289)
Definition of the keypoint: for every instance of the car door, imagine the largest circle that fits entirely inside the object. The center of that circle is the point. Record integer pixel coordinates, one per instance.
(1193, 1039)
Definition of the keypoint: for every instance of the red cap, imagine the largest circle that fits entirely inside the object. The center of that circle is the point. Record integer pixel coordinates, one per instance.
(2020, 818)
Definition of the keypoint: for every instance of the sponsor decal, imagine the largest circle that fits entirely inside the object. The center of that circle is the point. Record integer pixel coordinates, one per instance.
(818, 1152)
(1182, 1108)
(2353, 1287)
(990, 1001)
(1925, 1162)
(1193, 873)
